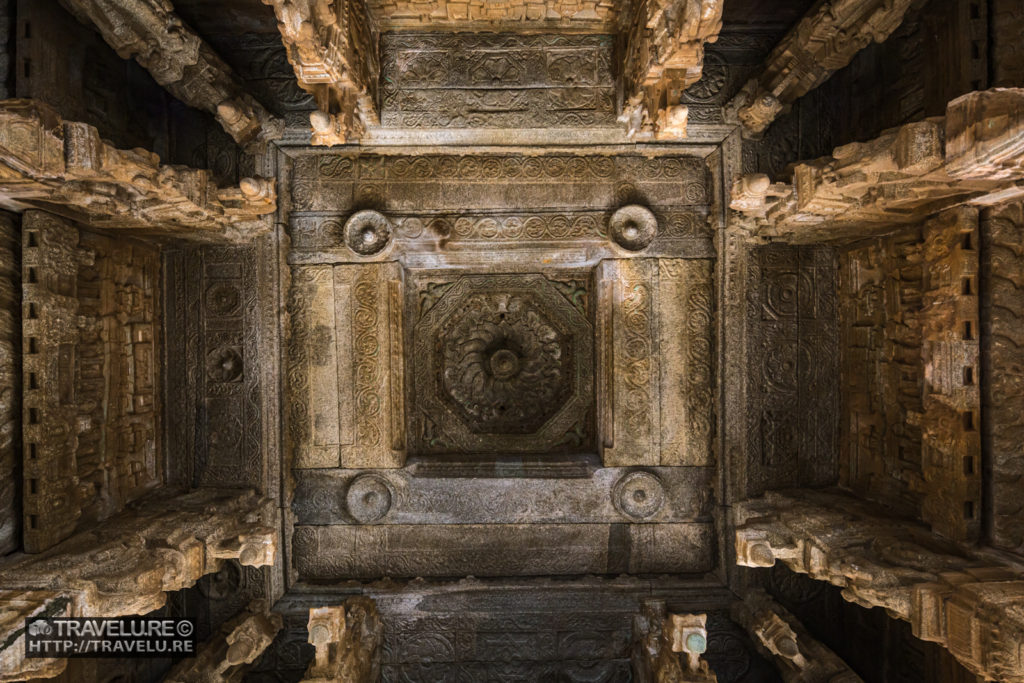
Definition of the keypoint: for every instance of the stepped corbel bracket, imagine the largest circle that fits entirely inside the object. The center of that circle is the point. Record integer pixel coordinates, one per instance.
(973, 155)
(823, 42)
(333, 47)
(664, 56)
(66, 168)
(969, 603)
(149, 32)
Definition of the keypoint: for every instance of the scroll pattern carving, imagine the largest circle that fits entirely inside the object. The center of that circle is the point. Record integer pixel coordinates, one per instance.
(367, 360)
(657, 368)
(345, 366)
(467, 80)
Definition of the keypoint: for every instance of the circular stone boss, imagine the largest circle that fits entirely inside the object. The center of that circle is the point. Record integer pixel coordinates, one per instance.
(367, 232)
(639, 495)
(633, 227)
(368, 498)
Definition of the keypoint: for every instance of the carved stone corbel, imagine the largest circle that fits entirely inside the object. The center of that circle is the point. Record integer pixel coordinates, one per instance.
(823, 42)
(149, 32)
(226, 656)
(664, 56)
(969, 604)
(667, 648)
(65, 167)
(347, 639)
(974, 155)
(333, 46)
(778, 635)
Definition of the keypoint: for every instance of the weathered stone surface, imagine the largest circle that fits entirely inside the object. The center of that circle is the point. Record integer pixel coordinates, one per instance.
(1002, 378)
(880, 294)
(67, 167)
(972, 155)
(226, 657)
(911, 408)
(323, 497)
(408, 550)
(950, 424)
(968, 603)
(824, 41)
(448, 206)
(333, 48)
(10, 381)
(151, 33)
(668, 647)
(347, 639)
(798, 656)
(497, 80)
(91, 376)
(664, 55)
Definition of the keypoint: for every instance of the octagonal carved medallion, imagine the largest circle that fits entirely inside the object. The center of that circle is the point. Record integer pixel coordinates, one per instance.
(502, 364)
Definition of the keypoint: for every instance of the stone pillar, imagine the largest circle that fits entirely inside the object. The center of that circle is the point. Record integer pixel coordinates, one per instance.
(347, 639)
(969, 604)
(780, 636)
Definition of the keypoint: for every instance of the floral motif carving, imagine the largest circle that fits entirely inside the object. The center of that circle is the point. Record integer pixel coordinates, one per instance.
(505, 367)
(502, 355)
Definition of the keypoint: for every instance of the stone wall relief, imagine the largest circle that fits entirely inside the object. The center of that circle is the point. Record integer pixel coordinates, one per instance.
(91, 374)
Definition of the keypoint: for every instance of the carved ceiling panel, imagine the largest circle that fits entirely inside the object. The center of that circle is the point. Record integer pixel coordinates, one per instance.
(497, 80)
(501, 363)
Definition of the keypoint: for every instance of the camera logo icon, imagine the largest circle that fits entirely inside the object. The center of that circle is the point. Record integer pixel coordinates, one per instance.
(40, 628)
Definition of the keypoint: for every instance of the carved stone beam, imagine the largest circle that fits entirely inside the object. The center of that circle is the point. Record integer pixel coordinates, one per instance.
(225, 657)
(972, 606)
(780, 636)
(127, 563)
(66, 168)
(149, 32)
(664, 56)
(347, 639)
(822, 42)
(333, 47)
(667, 647)
(973, 155)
